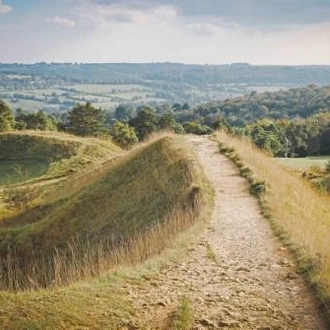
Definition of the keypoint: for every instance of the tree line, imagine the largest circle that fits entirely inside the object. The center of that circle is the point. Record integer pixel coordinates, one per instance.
(293, 123)
(125, 129)
(289, 138)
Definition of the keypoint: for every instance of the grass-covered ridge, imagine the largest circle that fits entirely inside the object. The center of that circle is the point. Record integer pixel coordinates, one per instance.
(298, 212)
(44, 155)
(128, 211)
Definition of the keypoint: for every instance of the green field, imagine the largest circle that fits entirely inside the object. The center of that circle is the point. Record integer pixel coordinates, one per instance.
(13, 171)
(305, 163)
(110, 88)
(29, 105)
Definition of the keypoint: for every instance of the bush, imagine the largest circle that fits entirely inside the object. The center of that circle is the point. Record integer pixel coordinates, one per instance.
(257, 188)
(123, 135)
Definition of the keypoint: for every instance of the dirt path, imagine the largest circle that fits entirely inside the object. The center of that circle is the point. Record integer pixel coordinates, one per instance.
(237, 275)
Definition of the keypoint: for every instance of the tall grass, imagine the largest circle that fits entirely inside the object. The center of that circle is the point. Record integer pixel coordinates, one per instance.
(299, 213)
(128, 211)
(82, 260)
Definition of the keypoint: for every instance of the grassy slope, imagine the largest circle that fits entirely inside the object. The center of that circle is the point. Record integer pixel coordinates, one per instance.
(299, 212)
(64, 154)
(142, 190)
(148, 182)
(14, 171)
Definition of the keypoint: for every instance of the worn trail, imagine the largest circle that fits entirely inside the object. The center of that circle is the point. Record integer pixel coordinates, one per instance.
(237, 275)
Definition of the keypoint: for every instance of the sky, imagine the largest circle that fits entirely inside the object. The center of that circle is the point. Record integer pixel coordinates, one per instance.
(284, 32)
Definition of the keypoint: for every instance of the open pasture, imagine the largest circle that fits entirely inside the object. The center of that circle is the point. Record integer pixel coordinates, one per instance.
(305, 163)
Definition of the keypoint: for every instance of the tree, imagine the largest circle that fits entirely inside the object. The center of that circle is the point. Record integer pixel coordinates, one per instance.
(144, 123)
(34, 120)
(85, 120)
(197, 128)
(167, 122)
(267, 135)
(123, 135)
(185, 106)
(176, 107)
(7, 121)
(124, 113)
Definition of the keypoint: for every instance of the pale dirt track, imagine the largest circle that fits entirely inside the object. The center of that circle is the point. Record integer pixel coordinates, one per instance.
(253, 284)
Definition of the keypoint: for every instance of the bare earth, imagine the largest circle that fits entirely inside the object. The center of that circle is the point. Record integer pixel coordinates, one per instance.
(237, 275)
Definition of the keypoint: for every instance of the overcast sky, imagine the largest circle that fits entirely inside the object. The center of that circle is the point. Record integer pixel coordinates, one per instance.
(187, 31)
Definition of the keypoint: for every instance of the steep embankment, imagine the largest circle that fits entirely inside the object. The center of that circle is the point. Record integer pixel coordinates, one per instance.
(90, 230)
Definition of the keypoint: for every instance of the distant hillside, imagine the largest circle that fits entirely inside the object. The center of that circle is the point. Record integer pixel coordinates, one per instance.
(293, 103)
(58, 86)
(174, 72)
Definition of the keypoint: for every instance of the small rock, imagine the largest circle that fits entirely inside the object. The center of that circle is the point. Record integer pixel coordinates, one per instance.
(162, 303)
(222, 324)
(291, 276)
(242, 269)
(206, 322)
(284, 262)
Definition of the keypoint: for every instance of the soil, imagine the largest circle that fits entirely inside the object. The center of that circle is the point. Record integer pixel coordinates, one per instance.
(237, 275)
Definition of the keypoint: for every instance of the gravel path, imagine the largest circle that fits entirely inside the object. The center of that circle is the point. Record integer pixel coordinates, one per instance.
(237, 275)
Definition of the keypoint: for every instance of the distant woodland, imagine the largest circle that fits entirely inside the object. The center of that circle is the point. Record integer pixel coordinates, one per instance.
(287, 121)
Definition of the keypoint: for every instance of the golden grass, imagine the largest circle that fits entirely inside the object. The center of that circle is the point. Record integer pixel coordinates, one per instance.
(104, 302)
(127, 211)
(299, 213)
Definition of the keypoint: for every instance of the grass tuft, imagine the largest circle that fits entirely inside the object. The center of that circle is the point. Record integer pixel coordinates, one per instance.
(183, 317)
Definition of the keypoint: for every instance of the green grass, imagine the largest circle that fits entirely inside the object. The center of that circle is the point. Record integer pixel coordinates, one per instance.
(183, 317)
(64, 154)
(211, 255)
(29, 105)
(99, 304)
(14, 171)
(305, 163)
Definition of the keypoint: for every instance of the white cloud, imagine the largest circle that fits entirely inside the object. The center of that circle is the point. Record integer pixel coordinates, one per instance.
(106, 16)
(5, 9)
(61, 21)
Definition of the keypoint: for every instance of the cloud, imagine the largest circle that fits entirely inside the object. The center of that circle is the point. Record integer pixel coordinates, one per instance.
(5, 9)
(106, 15)
(61, 21)
(255, 13)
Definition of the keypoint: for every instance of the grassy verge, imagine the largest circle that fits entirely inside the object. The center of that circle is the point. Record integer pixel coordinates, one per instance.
(298, 213)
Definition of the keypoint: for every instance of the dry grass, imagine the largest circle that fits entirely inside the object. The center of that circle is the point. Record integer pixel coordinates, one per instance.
(104, 302)
(299, 213)
(127, 211)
